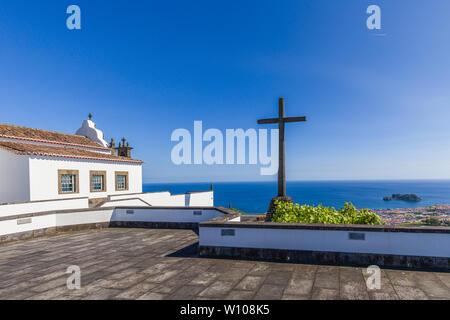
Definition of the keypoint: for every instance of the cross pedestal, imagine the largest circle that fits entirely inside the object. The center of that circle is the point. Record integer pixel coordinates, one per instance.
(281, 120)
(272, 206)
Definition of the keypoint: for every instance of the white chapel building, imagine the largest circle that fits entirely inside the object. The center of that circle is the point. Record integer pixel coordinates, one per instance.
(40, 165)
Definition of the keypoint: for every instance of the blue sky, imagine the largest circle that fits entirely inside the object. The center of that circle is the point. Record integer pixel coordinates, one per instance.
(377, 101)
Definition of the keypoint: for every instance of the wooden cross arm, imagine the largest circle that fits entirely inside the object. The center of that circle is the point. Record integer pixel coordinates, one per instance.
(286, 119)
(294, 119)
(266, 121)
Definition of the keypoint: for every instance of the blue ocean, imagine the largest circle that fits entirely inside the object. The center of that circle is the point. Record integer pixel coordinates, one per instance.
(254, 197)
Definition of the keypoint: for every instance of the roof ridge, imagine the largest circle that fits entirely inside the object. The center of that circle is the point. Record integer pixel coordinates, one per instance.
(30, 149)
(43, 135)
(51, 131)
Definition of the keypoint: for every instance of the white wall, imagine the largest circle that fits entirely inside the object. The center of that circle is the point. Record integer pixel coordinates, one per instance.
(83, 217)
(54, 220)
(105, 215)
(40, 222)
(164, 215)
(44, 177)
(201, 198)
(132, 202)
(164, 198)
(14, 177)
(396, 243)
(41, 206)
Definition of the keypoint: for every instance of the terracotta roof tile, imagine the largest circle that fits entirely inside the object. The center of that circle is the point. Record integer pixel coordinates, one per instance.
(24, 133)
(64, 152)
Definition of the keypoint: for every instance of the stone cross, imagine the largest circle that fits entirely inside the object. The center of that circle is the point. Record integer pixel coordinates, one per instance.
(281, 120)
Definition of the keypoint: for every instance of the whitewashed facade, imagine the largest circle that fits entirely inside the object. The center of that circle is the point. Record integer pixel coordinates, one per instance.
(38, 165)
(15, 174)
(45, 169)
(32, 169)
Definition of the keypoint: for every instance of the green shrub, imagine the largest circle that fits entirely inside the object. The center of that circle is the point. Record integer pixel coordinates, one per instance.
(289, 212)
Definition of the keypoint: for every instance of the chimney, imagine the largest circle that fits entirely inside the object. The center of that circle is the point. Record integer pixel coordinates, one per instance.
(124, 149)
(112, 145)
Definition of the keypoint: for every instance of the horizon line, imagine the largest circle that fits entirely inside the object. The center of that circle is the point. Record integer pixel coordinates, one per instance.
(324, 180)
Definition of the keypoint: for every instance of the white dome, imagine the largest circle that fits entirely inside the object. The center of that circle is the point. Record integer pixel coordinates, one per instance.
(89, 130)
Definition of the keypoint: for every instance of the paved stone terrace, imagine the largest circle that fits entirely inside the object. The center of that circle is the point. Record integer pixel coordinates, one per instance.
(162, 264)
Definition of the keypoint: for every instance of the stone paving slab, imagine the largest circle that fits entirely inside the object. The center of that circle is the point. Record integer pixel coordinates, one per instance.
(126, 263)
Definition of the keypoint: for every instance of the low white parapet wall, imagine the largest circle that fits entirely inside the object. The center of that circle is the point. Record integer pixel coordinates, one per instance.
(49, 221)
(28, 225)
(133, 202)
(201, 198)
(225, 237)
(15, 208)
(93, 216)
(165, 198)
(155, 214)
